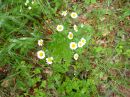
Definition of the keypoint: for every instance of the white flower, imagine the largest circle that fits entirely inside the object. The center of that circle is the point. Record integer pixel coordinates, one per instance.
(40, 42)
(49, 60)
(29, 7)
(73, 45)
(64, 13)
(75, 28)
(76, 56)
(26, 3)
(70, 35)
(74, 15)
(80, 44)
(83, 41)
(41, 54)
(32, 2)
(59, 28)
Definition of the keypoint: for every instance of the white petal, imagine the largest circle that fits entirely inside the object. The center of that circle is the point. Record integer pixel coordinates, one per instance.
(76, 56)
(43, 54)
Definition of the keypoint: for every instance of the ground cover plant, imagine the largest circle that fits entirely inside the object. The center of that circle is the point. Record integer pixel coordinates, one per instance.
(64, 48)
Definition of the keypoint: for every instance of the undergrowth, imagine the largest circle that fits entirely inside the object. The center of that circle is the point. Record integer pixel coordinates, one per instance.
(100, 67)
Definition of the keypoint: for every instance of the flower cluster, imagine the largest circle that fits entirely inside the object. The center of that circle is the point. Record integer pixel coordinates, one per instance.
(27, 3)
(81, 43)
(41, 53)
(73, 45)
(73, 14)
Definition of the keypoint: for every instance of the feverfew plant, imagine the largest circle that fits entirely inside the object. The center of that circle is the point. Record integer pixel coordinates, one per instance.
(71, 48)
(72, 45)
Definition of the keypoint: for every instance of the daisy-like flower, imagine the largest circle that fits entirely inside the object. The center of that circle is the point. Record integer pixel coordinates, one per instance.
(41, 54)
(74, 15)
(49, 60)
(59, 28)
(40, 42)
(29, 7)
(76, 56)
(32, 2)
(70, 35)
(80, 44)
(75, 28)
(73, 45)
(64, 13)
(26, 3)
(83, 41)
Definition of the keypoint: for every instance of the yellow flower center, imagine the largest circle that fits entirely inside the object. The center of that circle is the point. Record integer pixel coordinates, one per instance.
(83, 41)
(73, 45)
(64, 12)
(49, 60)
(60, 27)
(40, 54)
(41, 42)
(80, 43)
(73, 15)
(71, 35)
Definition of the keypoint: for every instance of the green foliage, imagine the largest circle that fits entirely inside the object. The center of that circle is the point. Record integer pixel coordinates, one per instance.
(89, 1)
(103, 61)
